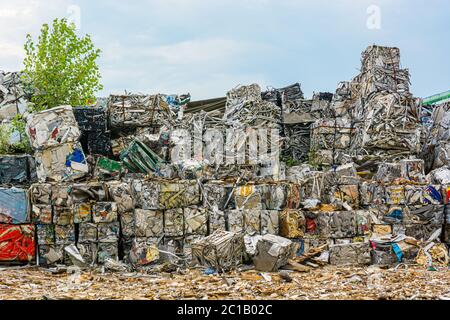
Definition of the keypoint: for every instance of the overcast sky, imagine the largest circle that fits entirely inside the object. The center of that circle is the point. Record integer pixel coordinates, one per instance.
(206, 47)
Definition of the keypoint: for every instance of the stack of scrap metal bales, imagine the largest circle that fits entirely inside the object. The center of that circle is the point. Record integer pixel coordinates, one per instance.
(17, 172)
(263, 177)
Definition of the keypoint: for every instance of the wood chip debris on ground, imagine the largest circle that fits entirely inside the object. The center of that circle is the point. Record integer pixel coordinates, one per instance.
(328, 283)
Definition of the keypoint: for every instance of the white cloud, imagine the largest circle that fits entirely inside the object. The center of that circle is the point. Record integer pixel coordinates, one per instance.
(19, 17)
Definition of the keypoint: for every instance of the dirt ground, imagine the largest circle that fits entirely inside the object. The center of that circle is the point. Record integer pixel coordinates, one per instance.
(322, 283)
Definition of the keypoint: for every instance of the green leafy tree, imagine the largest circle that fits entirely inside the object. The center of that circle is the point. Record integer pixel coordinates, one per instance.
(61, 67)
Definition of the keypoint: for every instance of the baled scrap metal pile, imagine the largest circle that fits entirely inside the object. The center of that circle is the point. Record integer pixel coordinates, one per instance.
(13, 99)
(139, 202)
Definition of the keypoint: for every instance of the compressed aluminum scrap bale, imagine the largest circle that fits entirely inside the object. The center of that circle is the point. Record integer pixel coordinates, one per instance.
(41, 214)
(350, 254)
(174, 222)
(104, 212)
(144, 251)
(45, 234)
(160, 194)
(371, 193)
(245, 106)
(41, 193)
(363, 223)
(65, 162)
(413, 170)
(14, 208)
(395, 195)
(252, 222)
(127, 224)
(82, 213)
(149, 223)
(17, 170)
(216, 194)
(139, 158)
(97, 143)
(89, 252)
(423, 195)
(139, 111)
(247, 197)
(270, 222)
(292, 224)
(108, 232)
(179, 194)
(217, 221)
(235, 221)
(187, 247)
(92, 191)
(13, 98)
(343, 224)
(64, 234)
(195, 221)
(88, 232)
(388, 172)
(53, 127)
(221, 250)
(272, 253)
(17, 243)
(62, 216)
(273, 196)
(50, 255)
(120, 193)
(60, 194)
(348, 194)
(430, 214)
(106, 251)
(93, 119)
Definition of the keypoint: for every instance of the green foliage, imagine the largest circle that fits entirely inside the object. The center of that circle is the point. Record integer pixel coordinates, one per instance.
(23, 146)
(5, 133)
(17, 125)
(61, 68)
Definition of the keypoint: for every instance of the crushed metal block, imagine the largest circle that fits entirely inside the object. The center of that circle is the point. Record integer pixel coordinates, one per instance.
(88, 232)
(195, 221)
(104, 212)
(350, 254)
(108, 232)
(174, 223)
(149, 223)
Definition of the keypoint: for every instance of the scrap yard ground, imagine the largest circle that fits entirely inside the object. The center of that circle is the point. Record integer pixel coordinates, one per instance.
(322, 283)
